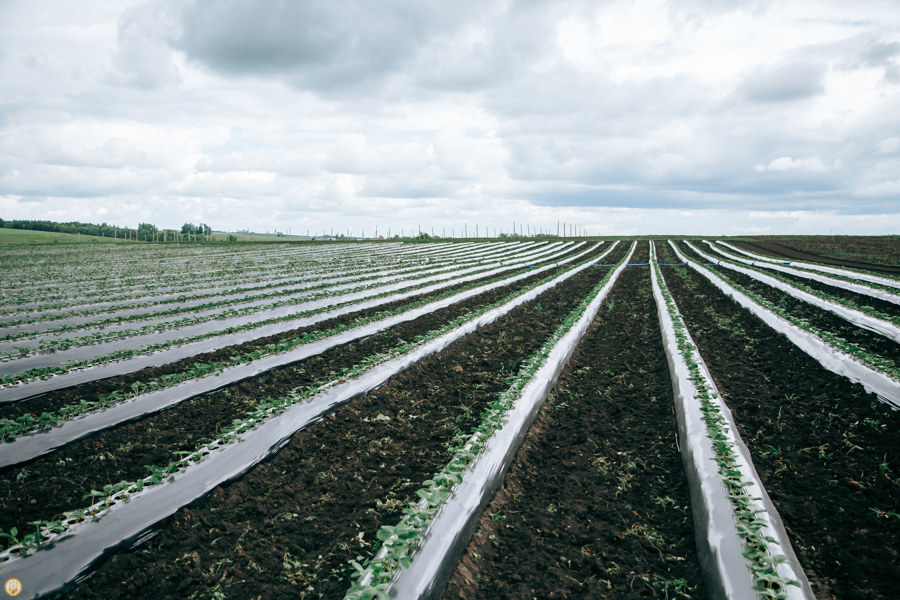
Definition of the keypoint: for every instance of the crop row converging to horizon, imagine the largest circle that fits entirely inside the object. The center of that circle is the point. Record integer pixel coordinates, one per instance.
(373, 420)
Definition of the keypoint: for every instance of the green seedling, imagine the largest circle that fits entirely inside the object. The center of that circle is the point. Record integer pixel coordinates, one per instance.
(769, 583)
(399, 541)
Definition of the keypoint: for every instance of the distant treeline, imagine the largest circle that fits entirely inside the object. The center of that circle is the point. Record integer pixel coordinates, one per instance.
(146, 232)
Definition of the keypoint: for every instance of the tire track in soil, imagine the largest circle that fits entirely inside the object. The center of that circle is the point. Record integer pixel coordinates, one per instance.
(58, 481)
(595, 504)
(289, 527)
(817, 317)
(825, 450)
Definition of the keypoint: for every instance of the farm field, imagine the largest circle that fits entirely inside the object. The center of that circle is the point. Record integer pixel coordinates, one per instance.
(875, 253)
(331, 421)
(826, 450)
(22, 236)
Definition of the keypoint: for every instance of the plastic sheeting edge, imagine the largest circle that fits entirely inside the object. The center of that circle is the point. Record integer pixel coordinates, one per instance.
(455, 522)
(841, 363)
(51, 569)
(719, 544)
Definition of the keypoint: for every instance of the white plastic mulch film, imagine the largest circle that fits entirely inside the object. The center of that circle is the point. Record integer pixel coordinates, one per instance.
(721, 547)
(453, 524)
(40, 386)
(859, 288)
(836, 361)
(858, 318)
(70, 555)
(834, 270)
(30, 446)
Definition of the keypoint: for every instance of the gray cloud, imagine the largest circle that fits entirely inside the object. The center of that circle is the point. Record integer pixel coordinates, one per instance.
(143, 56)
(378, 110)
(315, 44)
(783, 83)
(884, 55)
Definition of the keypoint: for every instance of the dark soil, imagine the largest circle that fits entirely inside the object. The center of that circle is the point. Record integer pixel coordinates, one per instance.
(817, 317)
(289, 527)
(58, 481)
(780, 250)
(595, 504)
(862, 300)
(826, 450)
(52, 401)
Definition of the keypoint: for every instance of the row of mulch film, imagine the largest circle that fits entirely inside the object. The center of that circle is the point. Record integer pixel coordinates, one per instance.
(289, 528)
(826, 450)
(817, 317)
(595, 504)
(58, 482)
(877, 254)
(52, 401)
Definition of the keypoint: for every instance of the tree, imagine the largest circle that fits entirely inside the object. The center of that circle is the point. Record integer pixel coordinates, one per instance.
(146, 231)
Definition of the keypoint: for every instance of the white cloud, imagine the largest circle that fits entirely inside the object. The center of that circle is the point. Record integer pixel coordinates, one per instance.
(613, 114)
(782, 83)
(143, 56)
(889, 145)
(888, 188)
(786, 163)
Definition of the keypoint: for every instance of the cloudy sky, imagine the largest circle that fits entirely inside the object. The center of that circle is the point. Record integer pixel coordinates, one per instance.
(628, 117)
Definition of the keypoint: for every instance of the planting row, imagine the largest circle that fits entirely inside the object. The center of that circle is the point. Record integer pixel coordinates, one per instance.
(595, 504)
(44, 288)
(510, 341)
(239, 363)
(868, 253)
(826, 450)
(67, 330)
(363, 502)
(159, 348)
(93, 270)
(872, 281)
(76, 311)
(867, 356)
